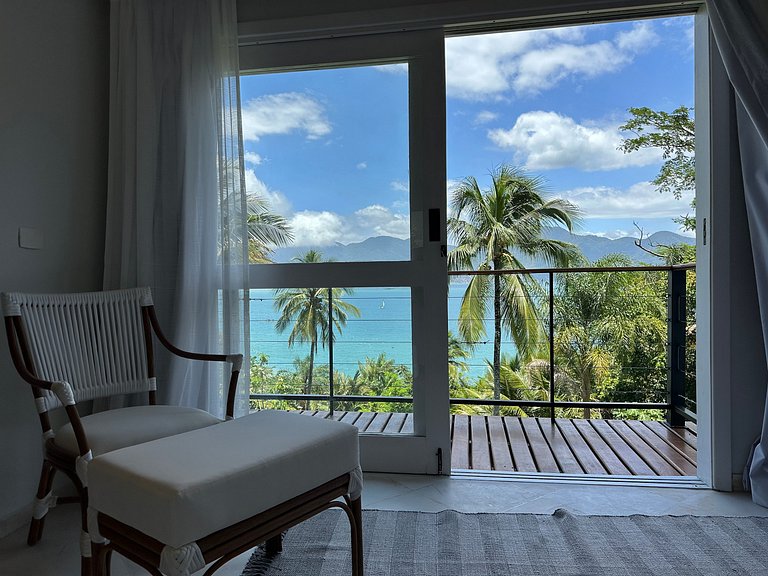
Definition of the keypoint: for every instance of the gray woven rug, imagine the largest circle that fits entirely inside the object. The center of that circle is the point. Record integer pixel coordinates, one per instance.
(455, 544)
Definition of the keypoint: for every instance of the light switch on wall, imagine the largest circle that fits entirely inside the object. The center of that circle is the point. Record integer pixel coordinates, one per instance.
(31, 238)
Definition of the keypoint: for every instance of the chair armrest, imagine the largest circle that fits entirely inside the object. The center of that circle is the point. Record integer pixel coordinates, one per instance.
(235, 359)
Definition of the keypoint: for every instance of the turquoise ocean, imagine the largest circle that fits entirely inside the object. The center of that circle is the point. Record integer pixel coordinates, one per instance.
(384, 327)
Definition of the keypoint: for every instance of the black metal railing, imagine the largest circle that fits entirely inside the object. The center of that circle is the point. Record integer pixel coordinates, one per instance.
(678, 405)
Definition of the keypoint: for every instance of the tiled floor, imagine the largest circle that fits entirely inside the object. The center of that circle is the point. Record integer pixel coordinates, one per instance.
(57, 553)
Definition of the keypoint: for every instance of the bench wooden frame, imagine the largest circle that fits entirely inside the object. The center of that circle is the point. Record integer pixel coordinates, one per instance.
(222, 546)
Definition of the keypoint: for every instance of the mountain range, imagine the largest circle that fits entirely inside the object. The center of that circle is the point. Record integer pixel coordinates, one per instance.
(383, 248)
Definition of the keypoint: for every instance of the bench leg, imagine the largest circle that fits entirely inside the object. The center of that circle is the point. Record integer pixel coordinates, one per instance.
(274, 545)
(99, 565)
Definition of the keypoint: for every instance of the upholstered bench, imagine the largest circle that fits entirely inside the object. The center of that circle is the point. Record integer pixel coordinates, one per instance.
(180, 503)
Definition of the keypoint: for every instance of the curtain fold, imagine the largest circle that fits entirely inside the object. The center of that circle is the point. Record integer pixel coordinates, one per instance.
(740, 28)
(176, 207)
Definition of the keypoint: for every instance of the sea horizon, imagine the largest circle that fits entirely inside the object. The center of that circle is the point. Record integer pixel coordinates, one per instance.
(383, 327)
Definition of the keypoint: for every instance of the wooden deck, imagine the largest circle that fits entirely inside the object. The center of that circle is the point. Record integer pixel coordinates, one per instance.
(571, 446)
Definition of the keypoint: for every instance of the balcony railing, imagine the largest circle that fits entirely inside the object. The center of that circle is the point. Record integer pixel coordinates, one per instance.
(679, 403)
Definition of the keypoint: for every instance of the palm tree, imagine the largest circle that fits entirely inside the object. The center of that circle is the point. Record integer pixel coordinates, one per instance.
(457, 367)
(306, 312)
(266, 230)
(495, 228)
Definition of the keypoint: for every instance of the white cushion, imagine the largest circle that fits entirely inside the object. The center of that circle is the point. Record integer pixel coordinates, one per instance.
(114, 429)
(182, 488)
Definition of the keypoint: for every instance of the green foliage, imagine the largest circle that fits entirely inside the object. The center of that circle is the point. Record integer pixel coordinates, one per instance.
(610, 335)
(674, 134)
(379, 376)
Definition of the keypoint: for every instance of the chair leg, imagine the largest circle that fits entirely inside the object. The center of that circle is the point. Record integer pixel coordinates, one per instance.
(86, 546)
(43, 489)
(86, 566)
(356, 528)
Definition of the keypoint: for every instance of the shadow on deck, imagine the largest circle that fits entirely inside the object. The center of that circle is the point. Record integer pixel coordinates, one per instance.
(569, 446)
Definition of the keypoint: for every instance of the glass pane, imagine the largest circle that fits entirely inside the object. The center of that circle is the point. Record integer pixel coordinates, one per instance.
(367, 350)
(327, 164)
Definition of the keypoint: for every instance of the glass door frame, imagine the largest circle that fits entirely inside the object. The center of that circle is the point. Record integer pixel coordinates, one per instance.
(428, 449)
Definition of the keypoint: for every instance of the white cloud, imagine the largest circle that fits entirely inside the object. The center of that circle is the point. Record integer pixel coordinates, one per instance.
(682, 28)
(362, 165)
(548, 140)
(283, 114)
(278, 203)
(478, 66)
(486, 66)
(253, 158)
(393, 68)
(544, 68)
(640, 200)
(638, 39)
(324, 228)
(485, 116)
(316, 228)
(376, 220)
(399, 186)
(613, 234)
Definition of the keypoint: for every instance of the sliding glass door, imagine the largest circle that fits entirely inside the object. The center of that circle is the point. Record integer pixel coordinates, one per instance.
(344, 144)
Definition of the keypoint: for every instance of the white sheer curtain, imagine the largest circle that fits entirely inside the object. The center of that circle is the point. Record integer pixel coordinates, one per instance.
(740, 28)
(176, 195)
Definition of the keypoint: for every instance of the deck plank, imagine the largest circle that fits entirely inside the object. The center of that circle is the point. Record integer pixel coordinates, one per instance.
(671, 436)
(530, 445)
(460, 442)
(564, 456)
(364, 421)
(600, 448)
(545, 460)
(582, 451)
(395, 423)
(637, 466)
(648, 453)
(666, 451)
(518, 443)
(379, 422)
(688, 434)
(500, 451)
(350, 417)
(479, 449)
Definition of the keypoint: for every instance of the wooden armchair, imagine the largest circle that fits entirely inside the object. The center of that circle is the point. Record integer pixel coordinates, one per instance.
(76, 347)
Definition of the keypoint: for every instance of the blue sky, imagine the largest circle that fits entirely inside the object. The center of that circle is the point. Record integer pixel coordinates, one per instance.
(329, 148)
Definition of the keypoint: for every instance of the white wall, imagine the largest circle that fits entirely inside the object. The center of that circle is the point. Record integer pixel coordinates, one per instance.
(53, 142)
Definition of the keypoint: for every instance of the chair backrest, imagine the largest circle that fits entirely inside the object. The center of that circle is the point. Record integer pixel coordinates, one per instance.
(95, 341)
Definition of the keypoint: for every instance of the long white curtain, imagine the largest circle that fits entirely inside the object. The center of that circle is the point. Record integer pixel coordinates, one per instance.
(176, 209)
(740, 28)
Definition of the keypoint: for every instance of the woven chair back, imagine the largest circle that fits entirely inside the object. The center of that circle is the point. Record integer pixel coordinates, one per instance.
(95, 341)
